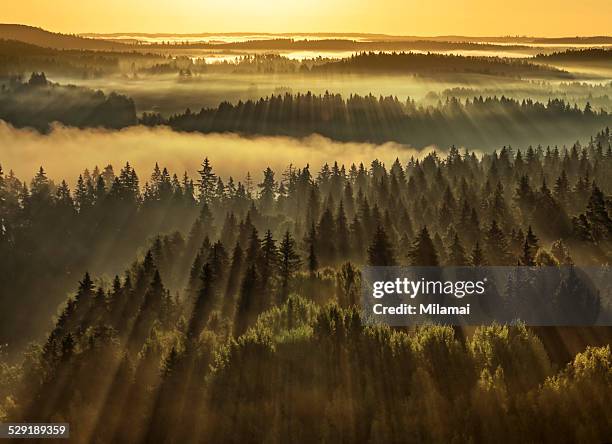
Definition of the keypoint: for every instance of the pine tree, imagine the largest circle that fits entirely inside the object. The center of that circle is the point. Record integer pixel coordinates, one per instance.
(423, 252)
(326, 235)
(206, 182)
(348, 285)
(342, 233)
(530, 249)
(267, 192)
(155, 294)
(63, 198)
(267, 265)
(311, 241)
(562, 187)
(598, 217)
(289, 263)
(253, 251)
(477, 258)
(85, 291)
(40, 185)
(456, 253)
(496, 246)
(380, 252)
(218, 260)
(525, 197)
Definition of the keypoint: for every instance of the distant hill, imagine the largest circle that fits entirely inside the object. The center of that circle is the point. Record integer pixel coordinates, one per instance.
(593, 40)
(431, 64)
(40, 37)
(587, 55)
(364, 37)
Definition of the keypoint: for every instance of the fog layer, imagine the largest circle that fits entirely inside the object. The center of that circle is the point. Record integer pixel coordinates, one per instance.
(65, 152)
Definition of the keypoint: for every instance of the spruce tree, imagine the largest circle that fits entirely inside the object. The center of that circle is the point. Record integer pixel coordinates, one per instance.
(326, 236)
(598, 217)
(456, 253)
(267, 265)
(289, 263)
(423, 252)
(496, 246)
(380, 252)
(206, 182)
(233, 276)
(477, 258)
(530, 249)
(267, 191)
(342, 234)
(311, 241)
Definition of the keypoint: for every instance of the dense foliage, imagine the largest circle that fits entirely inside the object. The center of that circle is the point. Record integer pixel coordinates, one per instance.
(478, 122)
(239, 315)
(414, 62)
(211, 309)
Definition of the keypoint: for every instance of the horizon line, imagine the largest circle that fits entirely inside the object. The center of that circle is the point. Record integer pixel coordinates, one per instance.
(315, 33)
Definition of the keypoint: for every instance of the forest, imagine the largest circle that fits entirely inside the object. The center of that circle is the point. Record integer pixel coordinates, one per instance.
(476, 122)
(190, 292)
(577, 55)
(412, 62)
(187, 222)
(19, 58)
(38, 103)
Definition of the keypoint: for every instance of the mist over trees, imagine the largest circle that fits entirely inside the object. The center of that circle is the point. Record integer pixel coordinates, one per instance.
(200, 306)
(159, 306)
(37, 103)
(19, 58)
(433, 64)
(475, 210)
(474, 122)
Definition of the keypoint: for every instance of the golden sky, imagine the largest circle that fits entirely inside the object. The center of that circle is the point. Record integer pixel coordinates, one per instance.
(399, 17)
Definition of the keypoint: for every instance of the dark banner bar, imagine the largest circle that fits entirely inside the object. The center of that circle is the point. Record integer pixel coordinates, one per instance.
(537, 296)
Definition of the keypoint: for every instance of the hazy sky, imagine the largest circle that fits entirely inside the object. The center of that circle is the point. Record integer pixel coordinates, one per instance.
(400, 17)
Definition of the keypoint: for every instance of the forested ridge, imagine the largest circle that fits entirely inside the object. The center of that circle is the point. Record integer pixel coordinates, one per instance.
(414, 62)
(476, 122)
(39, 103)
(21, 58)
(209, 309)
(578, 55)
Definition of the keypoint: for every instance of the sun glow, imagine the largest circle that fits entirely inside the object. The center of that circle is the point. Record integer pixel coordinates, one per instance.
(414, 17)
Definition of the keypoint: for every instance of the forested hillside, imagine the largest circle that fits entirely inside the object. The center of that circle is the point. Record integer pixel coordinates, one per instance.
(578, 55)
(47, 39)
(483, 206)
(38, 103)
(478, 122)
(430, 63)
(18, 58)
(249, 292)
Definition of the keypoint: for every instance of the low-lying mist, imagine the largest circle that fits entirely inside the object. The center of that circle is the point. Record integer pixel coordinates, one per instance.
(66, 152)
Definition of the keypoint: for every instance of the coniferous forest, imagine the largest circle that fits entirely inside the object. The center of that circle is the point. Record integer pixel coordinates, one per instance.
(248, 290)
(188, 289)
